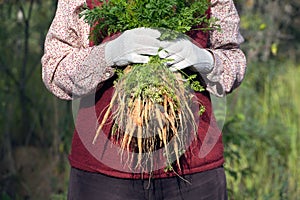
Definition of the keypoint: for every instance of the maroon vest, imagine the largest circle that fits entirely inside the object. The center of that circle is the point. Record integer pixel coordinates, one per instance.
(205, 151)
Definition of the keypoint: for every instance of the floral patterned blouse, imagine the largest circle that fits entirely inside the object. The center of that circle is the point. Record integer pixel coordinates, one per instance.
(71, 68)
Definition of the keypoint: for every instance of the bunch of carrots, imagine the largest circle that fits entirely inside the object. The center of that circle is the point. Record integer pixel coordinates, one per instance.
(150, 109)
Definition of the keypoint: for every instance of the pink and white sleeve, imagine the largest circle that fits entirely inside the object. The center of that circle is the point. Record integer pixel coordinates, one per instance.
(230, 61)
(70, 67)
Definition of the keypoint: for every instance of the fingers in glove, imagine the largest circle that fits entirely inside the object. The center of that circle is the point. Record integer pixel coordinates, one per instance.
(171, 49)
(175, 58)
(179, 66)
(146, 50)
(141, 44)
(143, 36)
(131, 58)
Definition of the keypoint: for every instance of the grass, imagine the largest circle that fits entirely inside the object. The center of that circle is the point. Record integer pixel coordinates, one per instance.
(262, 134)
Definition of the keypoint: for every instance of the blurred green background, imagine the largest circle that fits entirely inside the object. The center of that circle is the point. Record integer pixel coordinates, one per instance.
(261, 131)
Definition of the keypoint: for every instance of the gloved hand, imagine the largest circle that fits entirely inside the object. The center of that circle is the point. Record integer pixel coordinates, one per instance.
(132, 46)
(183, 53)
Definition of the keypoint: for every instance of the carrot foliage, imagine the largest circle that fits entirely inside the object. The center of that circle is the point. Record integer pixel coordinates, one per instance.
(120, 15)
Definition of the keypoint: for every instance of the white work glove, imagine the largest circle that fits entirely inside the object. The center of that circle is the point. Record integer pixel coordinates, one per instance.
(132, 46)
(183, 53)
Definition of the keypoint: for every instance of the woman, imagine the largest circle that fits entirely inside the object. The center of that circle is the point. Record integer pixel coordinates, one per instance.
(75, 68)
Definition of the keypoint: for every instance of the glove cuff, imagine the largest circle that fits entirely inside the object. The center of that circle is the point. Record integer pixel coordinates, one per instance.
(206, 64)
(108, 54)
